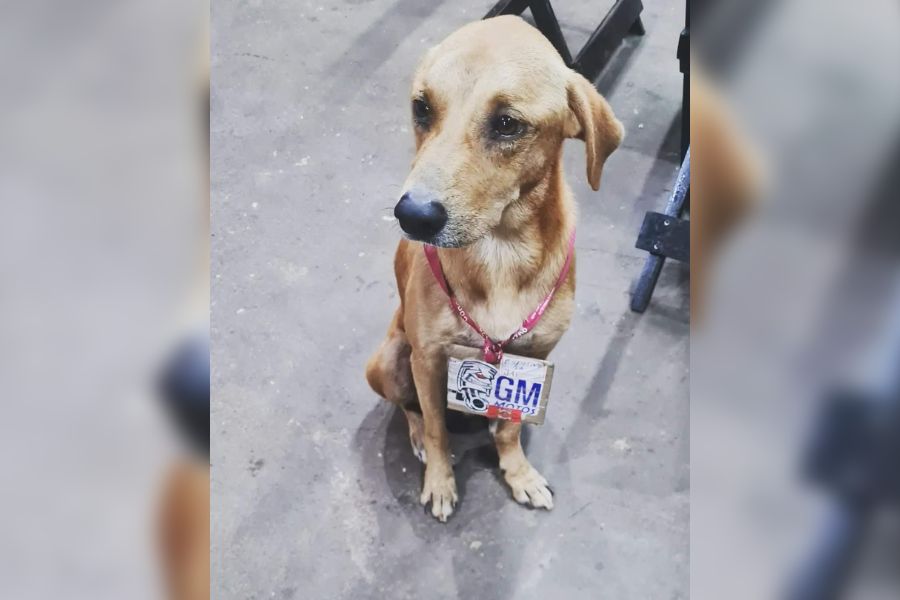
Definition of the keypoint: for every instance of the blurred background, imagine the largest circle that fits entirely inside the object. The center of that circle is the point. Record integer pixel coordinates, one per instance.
(103, 263)
(795, 347)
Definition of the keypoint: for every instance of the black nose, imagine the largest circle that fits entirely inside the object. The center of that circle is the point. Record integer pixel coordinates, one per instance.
(420, 217)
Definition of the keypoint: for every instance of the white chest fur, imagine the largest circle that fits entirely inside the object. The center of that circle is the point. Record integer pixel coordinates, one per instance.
(507, 304)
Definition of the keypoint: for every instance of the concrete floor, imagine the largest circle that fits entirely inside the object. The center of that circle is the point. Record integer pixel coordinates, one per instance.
(314, 486)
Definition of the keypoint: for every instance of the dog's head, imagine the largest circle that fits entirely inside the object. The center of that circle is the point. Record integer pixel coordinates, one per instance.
(491, 107)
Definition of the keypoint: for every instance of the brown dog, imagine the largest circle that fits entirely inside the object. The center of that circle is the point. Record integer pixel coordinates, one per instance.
(492, 105)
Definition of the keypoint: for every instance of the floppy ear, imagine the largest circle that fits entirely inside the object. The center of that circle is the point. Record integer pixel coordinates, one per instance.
(591, 119)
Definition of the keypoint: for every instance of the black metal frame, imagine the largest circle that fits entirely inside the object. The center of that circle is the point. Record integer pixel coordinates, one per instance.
(624, 18)
(667, 235)
(852, 455)
(670, 240)
(684, 63)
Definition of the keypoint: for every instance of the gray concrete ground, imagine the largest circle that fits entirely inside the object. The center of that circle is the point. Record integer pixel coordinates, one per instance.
(314, 486)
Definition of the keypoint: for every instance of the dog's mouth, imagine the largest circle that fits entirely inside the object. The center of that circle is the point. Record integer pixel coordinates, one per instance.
(442, 239)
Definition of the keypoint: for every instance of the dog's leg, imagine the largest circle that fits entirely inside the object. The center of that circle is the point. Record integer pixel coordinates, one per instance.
(528, 486)
(416, 433)
(390, 376)
(439, 488)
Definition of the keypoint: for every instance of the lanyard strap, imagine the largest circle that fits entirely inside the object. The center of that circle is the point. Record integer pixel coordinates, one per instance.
(493, 350)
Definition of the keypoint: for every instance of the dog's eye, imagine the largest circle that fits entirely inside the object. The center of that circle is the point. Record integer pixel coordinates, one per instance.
(505, 126)
(421, 111)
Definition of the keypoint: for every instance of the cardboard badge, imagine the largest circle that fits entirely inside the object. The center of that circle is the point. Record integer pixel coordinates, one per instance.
(518, 389)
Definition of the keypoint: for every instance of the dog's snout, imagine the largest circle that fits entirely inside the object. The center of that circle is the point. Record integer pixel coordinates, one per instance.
(420, 216)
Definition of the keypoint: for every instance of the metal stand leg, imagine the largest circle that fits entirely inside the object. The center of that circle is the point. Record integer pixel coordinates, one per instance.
(507, 7)
(546, 21)
(646, 283)
(684, 65)
(623, 19)
(637, 28)
(608, 36)
(825, 577)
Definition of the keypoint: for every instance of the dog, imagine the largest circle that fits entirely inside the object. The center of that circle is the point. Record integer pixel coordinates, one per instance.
(491, 106)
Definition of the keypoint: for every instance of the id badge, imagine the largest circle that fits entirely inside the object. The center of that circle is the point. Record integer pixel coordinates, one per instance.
(517, 389)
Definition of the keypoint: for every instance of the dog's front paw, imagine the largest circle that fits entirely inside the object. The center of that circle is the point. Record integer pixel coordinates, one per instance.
(529, 487)
(440, 491)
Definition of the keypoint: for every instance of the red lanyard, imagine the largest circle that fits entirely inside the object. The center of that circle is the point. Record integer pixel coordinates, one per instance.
(493, 350)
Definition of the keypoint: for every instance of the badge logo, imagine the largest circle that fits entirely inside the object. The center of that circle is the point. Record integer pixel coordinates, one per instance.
(474, 382)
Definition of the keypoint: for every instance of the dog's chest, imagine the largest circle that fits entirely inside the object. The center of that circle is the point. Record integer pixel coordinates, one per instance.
(501, 314)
